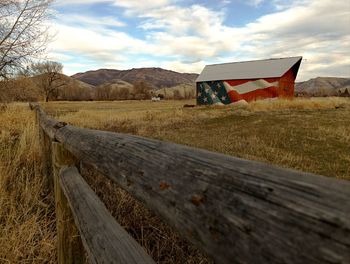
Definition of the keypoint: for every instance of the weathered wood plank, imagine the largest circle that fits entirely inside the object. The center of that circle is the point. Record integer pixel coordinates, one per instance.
(104, 239)
(228, 206)
(33, 105)
(49, 125)
(45, 150)
(238, 211)
(47, 160)
(70, 249)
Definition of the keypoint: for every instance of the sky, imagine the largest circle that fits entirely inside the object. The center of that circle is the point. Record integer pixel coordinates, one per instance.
(186, 35)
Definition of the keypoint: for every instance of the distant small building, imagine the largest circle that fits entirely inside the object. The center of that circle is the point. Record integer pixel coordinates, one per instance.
(248, 80)
(155, 99)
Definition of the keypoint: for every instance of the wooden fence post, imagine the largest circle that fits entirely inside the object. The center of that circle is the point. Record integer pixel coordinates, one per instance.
(46, 152)
(70, 248)
(45, 148)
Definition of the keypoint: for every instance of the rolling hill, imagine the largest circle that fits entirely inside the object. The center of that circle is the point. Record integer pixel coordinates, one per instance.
(155, 77)
(323, 86)
(117, 83)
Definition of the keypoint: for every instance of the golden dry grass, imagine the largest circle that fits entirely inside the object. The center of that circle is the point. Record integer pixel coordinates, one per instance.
(27, 227)
(315, 103)
(307, 134)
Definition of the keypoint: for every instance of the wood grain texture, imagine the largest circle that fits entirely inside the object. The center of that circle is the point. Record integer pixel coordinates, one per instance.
(238, 211)
(228, 206)
(104, 239)
(70, 249)
(49, 125)
(34, 105)
(48, 178)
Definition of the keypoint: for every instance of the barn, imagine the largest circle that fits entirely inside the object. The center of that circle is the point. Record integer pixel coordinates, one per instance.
(248, 80)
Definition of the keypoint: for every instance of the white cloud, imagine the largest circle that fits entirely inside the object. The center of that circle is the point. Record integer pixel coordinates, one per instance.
(192, 20)
(130, 5)
(195, 35)
(138, 5)
(92, 21)
(255, 3)
(198, 32)
(80, 2)
(101, 45)
(183, 67)
(225, 2)
(59, 56)
(284, 4)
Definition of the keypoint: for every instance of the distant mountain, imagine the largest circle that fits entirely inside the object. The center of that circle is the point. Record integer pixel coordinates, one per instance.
(116, 84)
(155, 77)
(322, 86)
(159, 78)
(74, 82)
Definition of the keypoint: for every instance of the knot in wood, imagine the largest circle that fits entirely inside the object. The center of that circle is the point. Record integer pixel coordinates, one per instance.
(59, 125)
(197, 199)
(163, 185)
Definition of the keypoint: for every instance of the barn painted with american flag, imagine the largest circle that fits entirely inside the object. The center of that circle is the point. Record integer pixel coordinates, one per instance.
(248, 80)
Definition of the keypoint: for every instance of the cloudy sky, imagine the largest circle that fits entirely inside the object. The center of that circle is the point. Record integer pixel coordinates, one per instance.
(185, 35)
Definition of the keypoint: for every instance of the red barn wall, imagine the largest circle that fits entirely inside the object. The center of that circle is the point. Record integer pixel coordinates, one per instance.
(286, 85)
(230, 91)
(284, 89)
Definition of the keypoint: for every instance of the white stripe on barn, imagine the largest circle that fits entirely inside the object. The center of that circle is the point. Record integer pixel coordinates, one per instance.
(249, 86)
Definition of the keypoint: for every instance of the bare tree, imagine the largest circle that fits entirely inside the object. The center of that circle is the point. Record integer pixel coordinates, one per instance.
(103, 92)
(49, 78)
(74, 91)
(123, 93)
(142, 90)
(23, 33)
(177, 95)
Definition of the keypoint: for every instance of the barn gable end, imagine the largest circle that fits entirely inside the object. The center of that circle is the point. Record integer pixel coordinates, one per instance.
(231, 82)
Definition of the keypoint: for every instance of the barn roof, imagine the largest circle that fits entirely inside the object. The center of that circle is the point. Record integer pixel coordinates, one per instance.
(270, 68)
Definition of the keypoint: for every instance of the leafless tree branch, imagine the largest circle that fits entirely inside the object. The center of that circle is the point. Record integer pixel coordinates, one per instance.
(49, 78)
(23, 33)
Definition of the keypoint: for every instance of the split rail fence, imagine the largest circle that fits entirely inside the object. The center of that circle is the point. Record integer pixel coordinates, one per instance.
(234, 210)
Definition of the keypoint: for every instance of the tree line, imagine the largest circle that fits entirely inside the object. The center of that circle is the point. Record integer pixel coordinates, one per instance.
(45, 81)
(140, 91)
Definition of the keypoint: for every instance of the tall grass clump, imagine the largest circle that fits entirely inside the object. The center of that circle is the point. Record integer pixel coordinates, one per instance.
(27, 221)
(298, 104)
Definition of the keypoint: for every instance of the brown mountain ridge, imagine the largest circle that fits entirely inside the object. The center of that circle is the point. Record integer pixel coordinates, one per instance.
(159, 78)
(155, 77)
(323, 86)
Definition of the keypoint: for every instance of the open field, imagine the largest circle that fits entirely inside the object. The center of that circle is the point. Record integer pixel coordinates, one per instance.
(306, 134)
(312, 135)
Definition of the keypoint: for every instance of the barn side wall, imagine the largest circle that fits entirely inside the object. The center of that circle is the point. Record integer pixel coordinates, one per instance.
(230, 91)
(286, 85)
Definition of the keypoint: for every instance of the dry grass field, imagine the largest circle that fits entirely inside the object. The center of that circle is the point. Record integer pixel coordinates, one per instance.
(312, 135)
(27, 220)
(306, 134)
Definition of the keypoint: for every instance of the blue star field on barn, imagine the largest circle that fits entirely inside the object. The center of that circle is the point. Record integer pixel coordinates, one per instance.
(213, 92)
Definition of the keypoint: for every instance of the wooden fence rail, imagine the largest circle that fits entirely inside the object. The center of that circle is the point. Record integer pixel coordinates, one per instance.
(235, 210)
